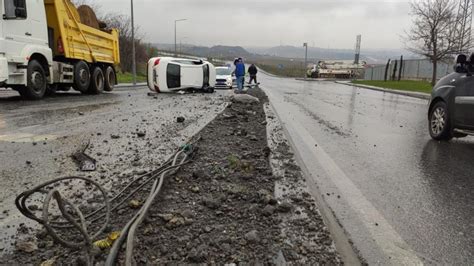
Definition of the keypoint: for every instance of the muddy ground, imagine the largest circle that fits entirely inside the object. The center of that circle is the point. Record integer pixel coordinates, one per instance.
(240, 200)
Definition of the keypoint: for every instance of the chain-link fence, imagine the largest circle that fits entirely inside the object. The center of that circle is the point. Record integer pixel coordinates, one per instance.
(412, 69)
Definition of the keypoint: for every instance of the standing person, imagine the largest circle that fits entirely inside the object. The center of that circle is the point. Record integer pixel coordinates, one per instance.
(240, 74)
(253, 74)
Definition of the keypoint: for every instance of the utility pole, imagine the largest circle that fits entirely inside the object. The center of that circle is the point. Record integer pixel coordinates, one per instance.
(305, 59)
(134, 62)
(357, 49)
(175, 42)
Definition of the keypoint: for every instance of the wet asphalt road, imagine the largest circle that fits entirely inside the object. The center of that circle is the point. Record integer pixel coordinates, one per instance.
(37, 138)
(401, 197)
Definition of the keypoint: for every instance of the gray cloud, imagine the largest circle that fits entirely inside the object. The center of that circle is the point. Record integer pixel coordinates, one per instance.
(271, 22)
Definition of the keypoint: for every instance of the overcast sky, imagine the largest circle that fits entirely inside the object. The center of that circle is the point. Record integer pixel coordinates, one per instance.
(321, 23)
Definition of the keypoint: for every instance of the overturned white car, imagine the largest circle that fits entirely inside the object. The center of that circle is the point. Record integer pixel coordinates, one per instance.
(165, 74)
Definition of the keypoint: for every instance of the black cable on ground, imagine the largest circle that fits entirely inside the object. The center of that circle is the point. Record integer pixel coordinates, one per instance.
(129, 231)
(80, 222)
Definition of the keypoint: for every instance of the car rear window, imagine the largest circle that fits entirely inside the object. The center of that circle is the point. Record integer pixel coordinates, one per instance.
(173, 77)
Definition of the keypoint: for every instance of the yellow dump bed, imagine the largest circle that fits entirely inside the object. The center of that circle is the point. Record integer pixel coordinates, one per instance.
(73, 40)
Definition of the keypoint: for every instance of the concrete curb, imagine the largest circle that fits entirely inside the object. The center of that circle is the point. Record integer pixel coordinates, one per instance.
(130, 85)
(419, 95)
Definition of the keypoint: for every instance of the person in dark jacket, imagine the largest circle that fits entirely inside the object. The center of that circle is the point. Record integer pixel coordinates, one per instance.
(253, 74)
(240, 74)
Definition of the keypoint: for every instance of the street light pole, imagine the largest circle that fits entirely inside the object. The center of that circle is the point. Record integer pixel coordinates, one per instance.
(175, 42)
(134, 62)
(305, 59)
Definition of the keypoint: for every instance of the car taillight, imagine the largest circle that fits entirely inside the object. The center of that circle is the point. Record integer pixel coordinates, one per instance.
(60, 46)
(157, 62)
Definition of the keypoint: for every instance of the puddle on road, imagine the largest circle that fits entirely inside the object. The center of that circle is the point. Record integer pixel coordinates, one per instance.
(49, 116)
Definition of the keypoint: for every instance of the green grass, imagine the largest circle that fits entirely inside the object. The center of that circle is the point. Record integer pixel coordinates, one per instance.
(405, 85)
(128, 78)
(290, 72)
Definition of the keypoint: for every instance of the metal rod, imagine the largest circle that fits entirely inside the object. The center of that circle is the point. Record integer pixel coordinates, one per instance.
(134, 62)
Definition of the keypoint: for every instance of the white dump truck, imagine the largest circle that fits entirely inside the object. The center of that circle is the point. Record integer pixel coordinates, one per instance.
(340, 69)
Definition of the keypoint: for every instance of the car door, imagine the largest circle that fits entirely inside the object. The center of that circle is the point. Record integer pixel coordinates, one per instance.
(464, 103)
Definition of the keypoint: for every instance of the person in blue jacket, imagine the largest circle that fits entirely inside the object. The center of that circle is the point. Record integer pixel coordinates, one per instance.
(240, 74)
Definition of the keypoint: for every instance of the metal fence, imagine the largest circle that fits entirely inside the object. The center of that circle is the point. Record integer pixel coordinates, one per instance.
(412, 69)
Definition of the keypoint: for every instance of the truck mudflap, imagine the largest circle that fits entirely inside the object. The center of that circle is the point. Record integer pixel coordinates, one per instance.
(3, 70)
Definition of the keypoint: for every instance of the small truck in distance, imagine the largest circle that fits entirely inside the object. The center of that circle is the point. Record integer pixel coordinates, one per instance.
(44, 48)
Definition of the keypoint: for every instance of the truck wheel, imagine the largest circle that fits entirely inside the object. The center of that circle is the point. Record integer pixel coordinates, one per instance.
(110, 79)
(36, 82)
(82, 77)
(97, 83)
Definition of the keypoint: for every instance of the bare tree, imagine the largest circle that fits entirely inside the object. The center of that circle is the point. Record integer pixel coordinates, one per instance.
(124, 26)
(433, 33)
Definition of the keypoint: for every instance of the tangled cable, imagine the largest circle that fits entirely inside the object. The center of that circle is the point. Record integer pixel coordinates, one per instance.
(75, 219)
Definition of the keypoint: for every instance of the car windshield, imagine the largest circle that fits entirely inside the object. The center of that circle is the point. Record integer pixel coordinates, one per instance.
(223, 71)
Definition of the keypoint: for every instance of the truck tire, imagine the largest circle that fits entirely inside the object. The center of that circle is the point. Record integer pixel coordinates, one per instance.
(110, 79)
(82, 77)
(97, 82)
(36, 82)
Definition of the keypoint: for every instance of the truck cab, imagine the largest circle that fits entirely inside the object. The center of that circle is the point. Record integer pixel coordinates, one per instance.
(23, 36)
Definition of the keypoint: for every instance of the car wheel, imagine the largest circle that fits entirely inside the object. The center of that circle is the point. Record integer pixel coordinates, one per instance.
(439, 122)
(36, 82)
(209, 90)
(82, 77)
(97, 83)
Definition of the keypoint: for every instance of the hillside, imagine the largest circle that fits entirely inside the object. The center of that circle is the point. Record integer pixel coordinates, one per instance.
(218, 51)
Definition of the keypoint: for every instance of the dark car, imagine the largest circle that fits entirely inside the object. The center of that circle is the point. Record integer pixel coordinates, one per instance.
(451, 109)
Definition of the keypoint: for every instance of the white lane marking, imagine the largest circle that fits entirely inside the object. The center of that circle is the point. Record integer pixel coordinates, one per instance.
(395, 249)
(25, 137)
